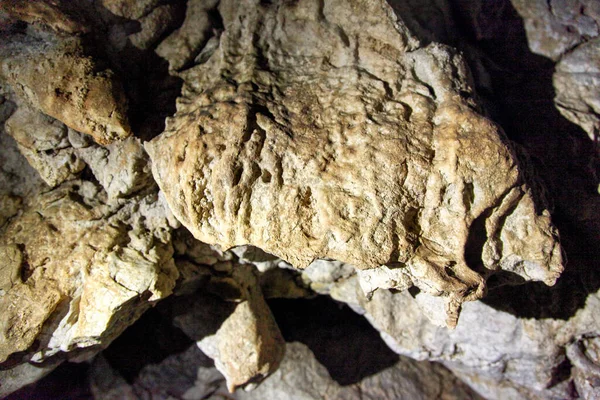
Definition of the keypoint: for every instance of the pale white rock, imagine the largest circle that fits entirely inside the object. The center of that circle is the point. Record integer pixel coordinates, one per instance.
(497, 353)
(15, 378)
(349, 142)
(44, 143)
(301, 377)
(121, 168)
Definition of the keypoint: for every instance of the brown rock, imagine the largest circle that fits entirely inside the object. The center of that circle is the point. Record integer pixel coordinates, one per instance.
(335, 136)
(57, 79)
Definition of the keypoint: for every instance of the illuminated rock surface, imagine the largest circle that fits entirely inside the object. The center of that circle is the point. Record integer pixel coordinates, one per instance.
(317, 150)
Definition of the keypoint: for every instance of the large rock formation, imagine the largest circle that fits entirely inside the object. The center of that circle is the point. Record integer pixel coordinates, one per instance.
(327, 147)
(325, 131)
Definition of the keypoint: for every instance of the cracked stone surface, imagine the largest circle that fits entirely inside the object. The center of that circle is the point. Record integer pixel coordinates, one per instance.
(577, 84)
(557, 26)
(349, 142)
(331, 147)
(80, 270)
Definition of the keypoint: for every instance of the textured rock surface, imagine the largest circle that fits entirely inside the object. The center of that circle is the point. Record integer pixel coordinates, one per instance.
(329, 132)
(190, 375)
(56, 78)
(557, 26)
(81, 270)
(349, 142)
(44, 142)
(577, 84)
(239, 334)
(47, 12)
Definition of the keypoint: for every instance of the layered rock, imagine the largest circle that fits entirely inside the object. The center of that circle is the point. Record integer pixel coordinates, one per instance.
(335, 136)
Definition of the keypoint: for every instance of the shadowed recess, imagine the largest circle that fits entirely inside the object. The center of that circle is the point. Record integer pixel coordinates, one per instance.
(342, 341)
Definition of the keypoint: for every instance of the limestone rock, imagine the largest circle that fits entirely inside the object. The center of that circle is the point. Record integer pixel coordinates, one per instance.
(44, 142)
(190, 375)
(187, 375)
(15, 378)
(499, 354)
(86, 270)
(349, 142)
(121, 167)
(240, 333)
(54, 77)
(577, 85)
(130, 9)
(154, 25)
(301, 377)
(584, 356)
(557, 26)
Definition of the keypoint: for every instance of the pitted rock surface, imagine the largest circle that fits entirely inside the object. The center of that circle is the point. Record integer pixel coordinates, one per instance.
(325, 131)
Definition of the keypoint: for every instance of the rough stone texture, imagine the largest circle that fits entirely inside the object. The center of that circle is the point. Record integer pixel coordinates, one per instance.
(248, 346)
(190, 375)
(567, 31)
(184, 45)
(120, 167)
(557, 26)
(44, 142)
(47, 12)
(577, 84)
(238, 331)
(320, 109)
(351, 143)
(57, 79)
(499, 354)
(85, 270)
(301, 377)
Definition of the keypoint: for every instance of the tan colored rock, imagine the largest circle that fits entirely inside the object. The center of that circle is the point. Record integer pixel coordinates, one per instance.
(324, 131)
(238, 330)
(86, 270)
(48, 12)
(57, 79)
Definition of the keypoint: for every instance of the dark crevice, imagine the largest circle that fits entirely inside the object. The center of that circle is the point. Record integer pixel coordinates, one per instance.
(149, 340)
(342, 341)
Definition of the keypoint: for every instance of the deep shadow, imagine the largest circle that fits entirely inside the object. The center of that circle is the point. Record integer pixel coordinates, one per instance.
(68, 382)
(341, 340)
(562, 155)
(150, 90)
(151, 339)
